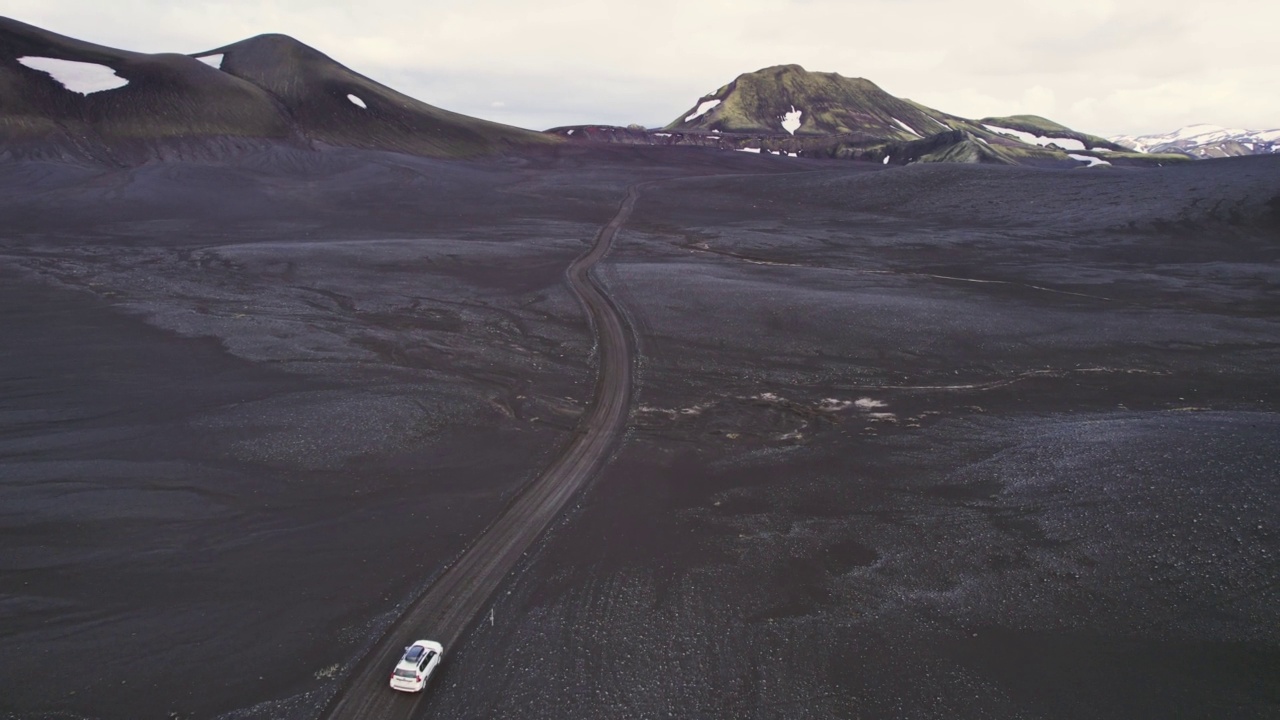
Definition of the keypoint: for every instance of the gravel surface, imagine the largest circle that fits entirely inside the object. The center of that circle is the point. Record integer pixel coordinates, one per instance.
(915, 442)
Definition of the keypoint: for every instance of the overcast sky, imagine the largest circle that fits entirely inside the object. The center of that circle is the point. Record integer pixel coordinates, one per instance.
(1099, 66)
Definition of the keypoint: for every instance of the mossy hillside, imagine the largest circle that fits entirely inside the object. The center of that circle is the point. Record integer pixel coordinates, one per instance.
(944, 121)
(1029, 123)
(854, 115)
(1098, 147)
(1048, 128)
(830, 104)
(957, 146)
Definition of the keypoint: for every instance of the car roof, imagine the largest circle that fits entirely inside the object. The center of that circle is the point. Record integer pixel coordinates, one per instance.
(413, 654)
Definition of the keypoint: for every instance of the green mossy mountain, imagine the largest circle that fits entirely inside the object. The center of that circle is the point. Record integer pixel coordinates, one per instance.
(269, 89)
(828, 104)
(855, 118)
(1037, 125)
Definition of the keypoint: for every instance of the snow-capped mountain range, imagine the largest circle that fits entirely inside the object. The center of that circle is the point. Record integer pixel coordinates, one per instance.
(1206, 141)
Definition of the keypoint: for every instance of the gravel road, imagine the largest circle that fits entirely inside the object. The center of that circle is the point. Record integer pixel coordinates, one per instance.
(449, 606)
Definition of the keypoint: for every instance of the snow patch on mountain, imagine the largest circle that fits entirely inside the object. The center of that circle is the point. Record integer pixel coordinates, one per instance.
(356, 101)
(1041, 140)
(791, 121)
(907, 127)
(705, 107)
(1089, 159)
(78, 77)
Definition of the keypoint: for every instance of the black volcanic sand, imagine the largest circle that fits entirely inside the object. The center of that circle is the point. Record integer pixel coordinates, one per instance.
(251, 408)
(933, 442)
(921, 442)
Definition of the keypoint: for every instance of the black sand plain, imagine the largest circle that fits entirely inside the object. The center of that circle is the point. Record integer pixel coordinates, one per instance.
(921, 442)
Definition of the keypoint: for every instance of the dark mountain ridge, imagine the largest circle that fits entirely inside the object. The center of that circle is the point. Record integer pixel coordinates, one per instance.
(332, 104)
(267, 89)
(167, 96)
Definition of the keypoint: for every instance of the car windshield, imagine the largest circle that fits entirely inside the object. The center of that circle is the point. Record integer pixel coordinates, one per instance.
(406, 674)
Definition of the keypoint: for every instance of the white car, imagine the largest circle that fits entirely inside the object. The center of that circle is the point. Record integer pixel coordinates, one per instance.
(415, 667)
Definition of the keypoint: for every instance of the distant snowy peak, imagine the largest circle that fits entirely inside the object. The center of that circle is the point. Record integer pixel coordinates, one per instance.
(1206, 141)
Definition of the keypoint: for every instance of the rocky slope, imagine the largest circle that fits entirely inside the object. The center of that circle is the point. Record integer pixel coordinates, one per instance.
(65, 97)
(1206, 141)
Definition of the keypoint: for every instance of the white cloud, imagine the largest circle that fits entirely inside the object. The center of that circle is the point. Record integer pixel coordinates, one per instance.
(1101, 66)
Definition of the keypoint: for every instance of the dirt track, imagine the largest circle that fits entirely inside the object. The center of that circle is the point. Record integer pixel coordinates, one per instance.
(458, 596)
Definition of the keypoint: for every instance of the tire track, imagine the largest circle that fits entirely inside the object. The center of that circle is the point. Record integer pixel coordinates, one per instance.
(448, 607)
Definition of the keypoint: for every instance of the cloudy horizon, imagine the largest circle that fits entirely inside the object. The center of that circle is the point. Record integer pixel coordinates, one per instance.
(1100, 67)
